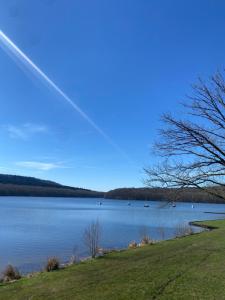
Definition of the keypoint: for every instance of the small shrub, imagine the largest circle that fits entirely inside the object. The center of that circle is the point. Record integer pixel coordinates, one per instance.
(52, 264)
(132, 245)
(10, 273)
(146, 240)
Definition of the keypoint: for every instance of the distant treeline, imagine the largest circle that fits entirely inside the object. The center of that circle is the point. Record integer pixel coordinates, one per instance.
(44, 191)
(13, 185)
(24, 180)
(163, 194)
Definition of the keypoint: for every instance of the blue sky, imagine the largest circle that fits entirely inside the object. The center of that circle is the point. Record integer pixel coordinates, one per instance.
(123, 63)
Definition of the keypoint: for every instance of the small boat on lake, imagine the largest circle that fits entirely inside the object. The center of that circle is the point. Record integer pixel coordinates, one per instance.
(173, 204)
(146, 205)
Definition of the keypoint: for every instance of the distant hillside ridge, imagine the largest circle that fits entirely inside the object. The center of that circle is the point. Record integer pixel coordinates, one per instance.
(16, 185)
(24, 180)
(163, 194)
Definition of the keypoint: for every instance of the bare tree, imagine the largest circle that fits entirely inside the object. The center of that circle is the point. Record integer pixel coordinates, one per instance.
(92, 237)
(193, 147)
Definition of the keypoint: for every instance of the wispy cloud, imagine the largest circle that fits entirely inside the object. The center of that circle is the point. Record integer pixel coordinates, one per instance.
(25, 131)
(40, 166)
(7, 170)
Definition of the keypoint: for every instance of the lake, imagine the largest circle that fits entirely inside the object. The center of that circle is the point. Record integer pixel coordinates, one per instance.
(33, 229)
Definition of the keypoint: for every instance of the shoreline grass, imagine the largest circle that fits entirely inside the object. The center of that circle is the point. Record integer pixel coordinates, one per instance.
(192, 267)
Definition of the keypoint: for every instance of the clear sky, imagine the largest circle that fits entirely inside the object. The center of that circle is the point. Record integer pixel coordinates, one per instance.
(123, 63)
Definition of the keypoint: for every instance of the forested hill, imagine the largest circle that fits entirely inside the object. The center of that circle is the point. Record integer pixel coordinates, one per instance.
(162, 194)
(14, 185)
(24, 180)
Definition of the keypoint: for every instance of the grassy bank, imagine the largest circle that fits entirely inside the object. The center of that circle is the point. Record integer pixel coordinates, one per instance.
(192, 267)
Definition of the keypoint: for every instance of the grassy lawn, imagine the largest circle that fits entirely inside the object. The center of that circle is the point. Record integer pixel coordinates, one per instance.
(192, 267)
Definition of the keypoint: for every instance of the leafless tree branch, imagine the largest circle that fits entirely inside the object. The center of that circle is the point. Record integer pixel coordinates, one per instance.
(193, 147)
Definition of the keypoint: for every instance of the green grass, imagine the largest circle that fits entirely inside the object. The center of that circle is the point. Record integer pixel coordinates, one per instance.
(192, 267)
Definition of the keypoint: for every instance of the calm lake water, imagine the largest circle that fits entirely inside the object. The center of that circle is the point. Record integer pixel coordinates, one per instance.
(33, 229)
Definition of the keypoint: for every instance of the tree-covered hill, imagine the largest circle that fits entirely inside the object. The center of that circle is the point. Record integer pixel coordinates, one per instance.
(14, 185)
(24, 180)
(163, 194)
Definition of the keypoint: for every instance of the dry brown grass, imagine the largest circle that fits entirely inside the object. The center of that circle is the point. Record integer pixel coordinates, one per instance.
(132, 245)
(52, 264)
(10, 273)
(146, 240)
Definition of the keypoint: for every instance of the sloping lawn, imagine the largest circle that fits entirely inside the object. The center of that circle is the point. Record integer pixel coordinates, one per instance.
(192, 267)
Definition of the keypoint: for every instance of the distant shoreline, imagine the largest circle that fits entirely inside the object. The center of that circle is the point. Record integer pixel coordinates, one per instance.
(14, 185)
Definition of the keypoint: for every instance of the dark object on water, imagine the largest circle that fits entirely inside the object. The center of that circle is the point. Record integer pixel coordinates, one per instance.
(174, 204)
(146, 205)
(100, 203)
(129, 203)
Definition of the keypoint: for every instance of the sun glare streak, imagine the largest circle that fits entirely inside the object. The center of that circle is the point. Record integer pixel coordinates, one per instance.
(18, 53)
